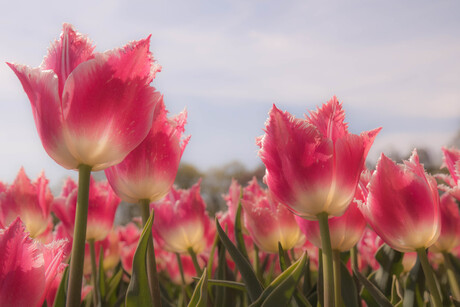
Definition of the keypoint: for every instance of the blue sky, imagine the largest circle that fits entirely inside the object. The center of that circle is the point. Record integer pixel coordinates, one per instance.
(394, 64)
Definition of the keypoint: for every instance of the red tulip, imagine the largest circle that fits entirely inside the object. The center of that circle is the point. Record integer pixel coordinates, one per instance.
(181, 222)
(148, 172)
(30, 201)
(268, 221)
(91, 108)
(403, 205)
(102, 205)
(450, 226)
(313, 164)
(27, 267)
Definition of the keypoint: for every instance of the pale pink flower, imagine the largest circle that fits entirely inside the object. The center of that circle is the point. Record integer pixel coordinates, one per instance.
(91, 108)
(313, 164)
(403, 205)
(31, 201)
(181, 221)
(268, 221)
(102, 205)
(148, 172)
(27, 267)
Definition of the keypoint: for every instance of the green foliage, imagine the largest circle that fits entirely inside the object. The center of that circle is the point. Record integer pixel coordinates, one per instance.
(200, 295)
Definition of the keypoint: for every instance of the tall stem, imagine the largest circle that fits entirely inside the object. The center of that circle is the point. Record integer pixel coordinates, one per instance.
(337, 277)
(79, 238)
(453, 282)
(94, 272)
(152, 274)
(429, 276)
(328, 272)
(195, 261)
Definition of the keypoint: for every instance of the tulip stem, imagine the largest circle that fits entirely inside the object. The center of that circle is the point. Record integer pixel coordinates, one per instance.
(429, 276)
(195, 261)
(92, 250)
(337, 286)
(151, 262)
(79, 238)
(328, 267)
(451, 276)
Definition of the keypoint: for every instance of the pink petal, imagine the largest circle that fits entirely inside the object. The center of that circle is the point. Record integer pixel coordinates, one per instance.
(329, 119)
(67, 53)
(105, 117)
(41, 87)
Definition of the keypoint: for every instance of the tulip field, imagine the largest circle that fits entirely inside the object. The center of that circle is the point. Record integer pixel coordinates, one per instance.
(321, 230)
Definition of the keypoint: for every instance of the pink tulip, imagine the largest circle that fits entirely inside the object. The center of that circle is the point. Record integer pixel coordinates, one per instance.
(91, 108)
(27, 267)
(128, 237)
(452, 162)
(268, 221)
(148, 172)
(102, 205)
(313, 164)
(30, 201)
(345, 230)
(450, 226)
(403, 205)
(110, 250)
(367, 248)
(181, 222)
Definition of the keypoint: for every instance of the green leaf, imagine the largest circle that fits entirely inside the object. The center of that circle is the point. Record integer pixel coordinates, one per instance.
(348, 285)
(396, 291)
(225, 283)
(113, 284)
(239, 231)
(59, 300)
(101, 275)
(279, 292)
(200, 295)
(414, 286)
(390, 264)
(245, 268)
(374, 291)
(138, 292)
(221, 274)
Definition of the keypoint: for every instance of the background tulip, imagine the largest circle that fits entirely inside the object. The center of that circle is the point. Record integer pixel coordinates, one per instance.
(452, 162)
(449, 237)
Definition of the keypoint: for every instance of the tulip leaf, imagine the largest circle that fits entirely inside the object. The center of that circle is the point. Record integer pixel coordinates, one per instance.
(396, 292)
(239, 231)
(245, 268)
(101, 275)
(373, 290)
(285, 262)
(280, 291)
(60, 298)
(113, 284)
(414, 286)
(200, 295)
(138, 292)
(225, 283)
(221, 272)
(390, 264)
(348, 285)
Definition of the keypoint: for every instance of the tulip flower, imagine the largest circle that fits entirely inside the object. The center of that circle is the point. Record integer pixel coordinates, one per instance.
(181, 223)
(403, 209)
(452, 162)
(449, 237)
(268, 221)
(30, 201)
(313, 165)
(103, 204)
(28, 267)
(91, 108)
(128, 237)
(367, 248)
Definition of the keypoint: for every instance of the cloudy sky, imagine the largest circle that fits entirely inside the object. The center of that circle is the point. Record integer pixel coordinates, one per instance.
(393, 64)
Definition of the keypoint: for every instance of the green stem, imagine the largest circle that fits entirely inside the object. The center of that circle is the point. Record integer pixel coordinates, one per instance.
(451, 276)
(354, 258)
(429, 276)
(151, 262)
(328, 272)
(92, 250)
(195, 261)
(185, 289)
(337, 285)
(79, 238)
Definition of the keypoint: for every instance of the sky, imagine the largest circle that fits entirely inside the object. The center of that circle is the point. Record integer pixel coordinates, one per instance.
(393, 64)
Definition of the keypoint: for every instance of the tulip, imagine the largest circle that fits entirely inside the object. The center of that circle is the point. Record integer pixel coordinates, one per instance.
(367, 248)
(452, 162)
(102, 205)
(128, 237)
(403, 209)
(181, 223)
(28, 267)
(90, 109)
(269, 222)
(30, 201)
(313, 165)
